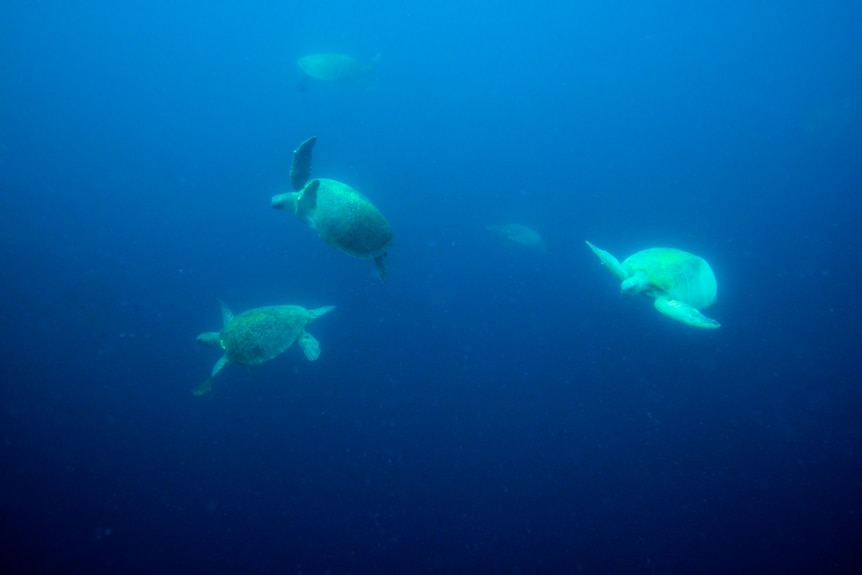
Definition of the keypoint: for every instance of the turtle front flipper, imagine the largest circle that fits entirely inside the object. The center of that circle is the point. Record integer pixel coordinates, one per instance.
(682, 312)
(203, 388)
(226, 314)
(309, 346)
(300, 167)
(307, 203)
(610, 262)
(207, 386)
(313, 314)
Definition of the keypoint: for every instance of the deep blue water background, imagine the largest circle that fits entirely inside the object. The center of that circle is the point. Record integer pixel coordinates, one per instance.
(489, 409)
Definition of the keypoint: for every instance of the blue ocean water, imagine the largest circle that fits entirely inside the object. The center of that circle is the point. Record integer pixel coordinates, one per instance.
(491, 408)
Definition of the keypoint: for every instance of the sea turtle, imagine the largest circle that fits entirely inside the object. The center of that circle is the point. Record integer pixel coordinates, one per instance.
(344, 218)
(260, 334)
(520, 234)
(334, 68)
(679, 282)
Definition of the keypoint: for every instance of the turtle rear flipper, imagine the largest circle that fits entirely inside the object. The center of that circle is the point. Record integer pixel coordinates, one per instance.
(382, 270)
(309, 346)
(300, 167)
(684, 313)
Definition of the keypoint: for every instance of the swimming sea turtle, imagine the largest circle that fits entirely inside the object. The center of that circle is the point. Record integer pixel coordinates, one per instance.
(260, 334)
(344, 218)
(680, 283)
(520, 234)
(333, 68)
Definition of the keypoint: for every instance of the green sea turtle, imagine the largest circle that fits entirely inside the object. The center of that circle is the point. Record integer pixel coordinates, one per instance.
(679, 282)
(520, 234)
(343, 218)
(334, 68)
(260, 334)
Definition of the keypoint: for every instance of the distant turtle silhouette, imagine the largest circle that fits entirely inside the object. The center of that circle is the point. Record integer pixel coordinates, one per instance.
(334, 68)
(520, 234)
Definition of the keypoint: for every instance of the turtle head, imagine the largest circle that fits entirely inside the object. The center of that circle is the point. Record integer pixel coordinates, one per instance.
(637, 283)
(285, 202)
(210, 338)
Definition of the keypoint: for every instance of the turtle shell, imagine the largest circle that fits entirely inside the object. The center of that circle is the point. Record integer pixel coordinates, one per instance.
(348, 221)
(260, 334)
(679, 274)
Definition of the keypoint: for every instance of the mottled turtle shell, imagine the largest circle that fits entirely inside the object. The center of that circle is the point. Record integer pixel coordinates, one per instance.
(263, 333)
(347, 220)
